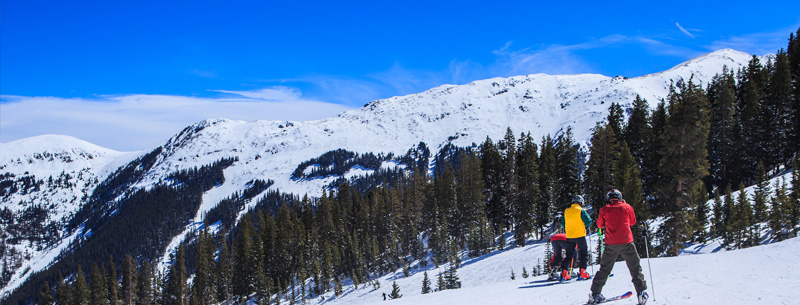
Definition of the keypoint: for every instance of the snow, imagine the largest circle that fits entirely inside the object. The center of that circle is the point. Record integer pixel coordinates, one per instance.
(538, 103)
(747, 276)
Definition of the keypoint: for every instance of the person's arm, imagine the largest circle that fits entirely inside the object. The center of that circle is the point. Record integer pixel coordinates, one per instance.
(632, 216)
(587, 220)
(600, 220)
(563, 224)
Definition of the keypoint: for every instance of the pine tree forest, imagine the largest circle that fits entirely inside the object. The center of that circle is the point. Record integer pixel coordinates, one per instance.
(677, 164)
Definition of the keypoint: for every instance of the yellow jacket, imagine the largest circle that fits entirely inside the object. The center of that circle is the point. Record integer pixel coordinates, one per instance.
(575, 221)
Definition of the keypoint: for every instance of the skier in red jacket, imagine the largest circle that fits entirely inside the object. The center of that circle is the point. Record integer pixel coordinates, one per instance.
(616, 218)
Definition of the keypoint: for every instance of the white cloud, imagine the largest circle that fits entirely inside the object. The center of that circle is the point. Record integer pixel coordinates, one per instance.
(683, 30)
(756, 43)
(137, 122)
(277, 93)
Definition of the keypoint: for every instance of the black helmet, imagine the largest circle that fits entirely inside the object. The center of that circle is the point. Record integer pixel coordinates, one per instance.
(613, 194)
(577, 199)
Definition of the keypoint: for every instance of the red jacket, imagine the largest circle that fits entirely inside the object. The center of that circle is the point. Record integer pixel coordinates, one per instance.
(559, 236)
(617, 218)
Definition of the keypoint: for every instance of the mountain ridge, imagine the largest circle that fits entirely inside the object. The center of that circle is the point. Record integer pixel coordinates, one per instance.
(459, 114)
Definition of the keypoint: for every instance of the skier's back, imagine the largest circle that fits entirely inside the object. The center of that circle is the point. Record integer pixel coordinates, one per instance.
(617, 217)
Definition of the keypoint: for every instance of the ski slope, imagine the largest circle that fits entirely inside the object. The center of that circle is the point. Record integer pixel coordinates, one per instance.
(758, 275)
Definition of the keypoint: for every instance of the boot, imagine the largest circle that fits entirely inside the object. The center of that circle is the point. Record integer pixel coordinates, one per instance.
(554, 275)
(596, 298)
(642, 296)
(584, 275)
(565, 275)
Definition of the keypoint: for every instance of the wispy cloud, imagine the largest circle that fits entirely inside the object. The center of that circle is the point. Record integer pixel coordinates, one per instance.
(136, 122)
(756, 43)
(683, 30)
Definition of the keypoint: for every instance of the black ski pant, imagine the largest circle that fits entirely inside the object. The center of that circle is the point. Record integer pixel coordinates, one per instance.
(558, 256)
(607, 260)
(583, 252)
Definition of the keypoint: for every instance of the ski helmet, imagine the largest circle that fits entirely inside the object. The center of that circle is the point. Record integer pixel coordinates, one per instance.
(577, 199)
(613, 194)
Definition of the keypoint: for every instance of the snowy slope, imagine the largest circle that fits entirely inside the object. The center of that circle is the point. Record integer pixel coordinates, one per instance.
(540, 104)
(758, 275)
(51, 156)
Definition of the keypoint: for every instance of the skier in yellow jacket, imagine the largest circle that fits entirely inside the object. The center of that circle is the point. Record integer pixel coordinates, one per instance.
(575, 222)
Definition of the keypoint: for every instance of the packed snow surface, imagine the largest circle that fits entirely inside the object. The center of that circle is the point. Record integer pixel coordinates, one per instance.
(758, 275)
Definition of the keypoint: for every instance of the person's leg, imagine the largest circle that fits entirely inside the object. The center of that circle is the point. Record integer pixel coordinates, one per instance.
(631, 257)
(607, 261)
(558, 246)
(583, 252)
(567, 262)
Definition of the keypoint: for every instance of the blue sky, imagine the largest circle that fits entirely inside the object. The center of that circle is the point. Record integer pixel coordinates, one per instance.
(339, 53)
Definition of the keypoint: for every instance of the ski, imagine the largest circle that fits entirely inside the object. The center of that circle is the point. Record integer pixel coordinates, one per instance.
(616, 298)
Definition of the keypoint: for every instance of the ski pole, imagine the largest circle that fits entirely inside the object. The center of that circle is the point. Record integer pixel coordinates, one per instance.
(590, 251)
(647, 249)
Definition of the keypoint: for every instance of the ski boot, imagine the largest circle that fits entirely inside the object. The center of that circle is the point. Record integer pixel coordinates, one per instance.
(554, 275)
(565, 275)
(596, 298)
(584, 275)
(642, 296)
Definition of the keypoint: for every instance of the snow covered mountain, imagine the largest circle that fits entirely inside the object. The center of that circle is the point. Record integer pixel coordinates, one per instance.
(272, 150)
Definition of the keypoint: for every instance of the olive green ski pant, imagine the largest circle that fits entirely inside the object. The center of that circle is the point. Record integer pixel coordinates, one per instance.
(607, 260)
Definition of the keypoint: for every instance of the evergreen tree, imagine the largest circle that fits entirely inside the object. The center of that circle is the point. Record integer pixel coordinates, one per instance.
(440, 283)
(202, 287)
(395, 291)
(794, 199)
(604, 154)
(776, 216)
(223, 272)
(469, 199)
(426, 283)
(112, 285)
(788, 211)
(545, 206)
(750, 95)
(727, 215)
(493, 178)
(45, 298)
(128, 280)
(243, 262)
(793, 53)
(451, 278)
(568, 182)
(513, 277)
(80, 291)
(144, 285)
(652, 177)
(510, 172)
(684, 164)
(98, 290)
(337, 286)
(528, 191)
(719, 225)
(777, 114)
(760, 196)
(615, 118)
(740, 224)
(175, 290)
(636, 131)
(524, 273)
(63, 292)
(723, 130)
